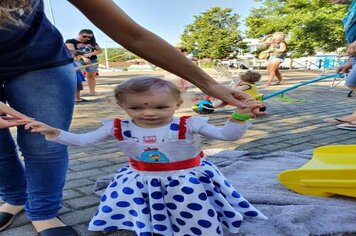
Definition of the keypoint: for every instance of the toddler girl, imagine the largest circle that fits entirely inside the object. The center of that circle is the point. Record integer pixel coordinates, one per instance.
(168, 188)
(247, 84)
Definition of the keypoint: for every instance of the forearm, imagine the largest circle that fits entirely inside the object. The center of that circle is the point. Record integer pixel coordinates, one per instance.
(80, 140)
(229, 132)
(116, 24)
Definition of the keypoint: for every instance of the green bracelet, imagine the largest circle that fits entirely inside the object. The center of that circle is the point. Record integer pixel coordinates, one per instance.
(241, 116)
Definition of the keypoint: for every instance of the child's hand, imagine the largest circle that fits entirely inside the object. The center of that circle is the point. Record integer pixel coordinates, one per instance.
(252, 108)
(39, 127)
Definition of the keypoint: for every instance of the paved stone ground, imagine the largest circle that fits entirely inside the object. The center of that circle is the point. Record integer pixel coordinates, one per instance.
(290, 126)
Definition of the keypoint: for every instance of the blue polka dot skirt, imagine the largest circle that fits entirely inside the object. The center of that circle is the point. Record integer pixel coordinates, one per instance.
(197, 201)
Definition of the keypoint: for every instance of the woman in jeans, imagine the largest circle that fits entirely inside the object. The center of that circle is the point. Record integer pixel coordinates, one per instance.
(38, 80)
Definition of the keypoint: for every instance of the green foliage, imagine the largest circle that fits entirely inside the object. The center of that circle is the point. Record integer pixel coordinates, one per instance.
(213, 34)
(117, 54)
(310, 24)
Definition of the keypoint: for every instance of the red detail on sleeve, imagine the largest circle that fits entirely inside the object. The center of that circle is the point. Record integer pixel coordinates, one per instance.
(118, 130)
(182, 127)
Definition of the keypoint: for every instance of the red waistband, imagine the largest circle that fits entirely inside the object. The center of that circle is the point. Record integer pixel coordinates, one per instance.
(166, 166)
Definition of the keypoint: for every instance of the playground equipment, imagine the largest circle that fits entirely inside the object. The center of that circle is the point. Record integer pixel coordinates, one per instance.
(332, 170)
(268, 96)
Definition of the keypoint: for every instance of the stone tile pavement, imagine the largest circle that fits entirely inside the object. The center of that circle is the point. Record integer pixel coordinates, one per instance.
(290, 126)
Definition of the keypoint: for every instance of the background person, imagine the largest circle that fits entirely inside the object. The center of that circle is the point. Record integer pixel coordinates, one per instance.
(87, 49)
(35, 61)
(277, 52)
(348, 122)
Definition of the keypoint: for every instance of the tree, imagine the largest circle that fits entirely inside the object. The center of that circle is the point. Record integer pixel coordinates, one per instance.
(213, 34)
(117, 54)
(310, 24)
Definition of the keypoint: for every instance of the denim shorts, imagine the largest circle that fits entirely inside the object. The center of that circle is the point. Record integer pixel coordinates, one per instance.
(351, 78)
(93, 68)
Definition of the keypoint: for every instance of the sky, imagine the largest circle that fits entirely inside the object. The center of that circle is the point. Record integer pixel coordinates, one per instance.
(166, 18)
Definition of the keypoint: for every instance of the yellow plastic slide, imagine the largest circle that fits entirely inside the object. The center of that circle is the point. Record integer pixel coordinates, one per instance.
(332, 170)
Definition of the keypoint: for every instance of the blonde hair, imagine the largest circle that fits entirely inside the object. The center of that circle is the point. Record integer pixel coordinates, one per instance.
(280, 36)
(9, 10)
(250, 77)
(145, 84)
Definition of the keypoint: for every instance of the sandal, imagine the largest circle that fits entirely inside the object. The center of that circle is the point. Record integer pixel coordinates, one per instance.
(336, 121)
(349, 126)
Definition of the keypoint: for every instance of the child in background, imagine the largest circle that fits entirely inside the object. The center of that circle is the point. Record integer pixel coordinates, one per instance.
(168, 188)
(247, 84)
(182, 84)
(80, 77)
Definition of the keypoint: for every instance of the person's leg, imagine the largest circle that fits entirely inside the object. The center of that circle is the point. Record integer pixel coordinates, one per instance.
(279, 75)
(12, 174)
(91, 77)
(351, 77)
(91, 82)
(48, 96)
(272, 67)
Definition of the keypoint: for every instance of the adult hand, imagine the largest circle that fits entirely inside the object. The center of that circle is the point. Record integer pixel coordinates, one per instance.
(16, 118)
(232, 97)
(351, 49)
(345, 68)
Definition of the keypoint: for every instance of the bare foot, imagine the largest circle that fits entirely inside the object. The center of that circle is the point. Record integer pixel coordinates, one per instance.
(12, 209)
(267, 84)
(47, 224)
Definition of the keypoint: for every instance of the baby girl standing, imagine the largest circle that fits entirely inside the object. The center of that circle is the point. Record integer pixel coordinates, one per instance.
(168, 188)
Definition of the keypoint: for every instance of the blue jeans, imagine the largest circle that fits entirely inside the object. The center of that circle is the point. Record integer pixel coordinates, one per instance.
(48, 96)
(351, 78)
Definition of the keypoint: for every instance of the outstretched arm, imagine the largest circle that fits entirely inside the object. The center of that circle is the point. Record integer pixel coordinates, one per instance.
(121, 28)
(67, 138)
(16, 118)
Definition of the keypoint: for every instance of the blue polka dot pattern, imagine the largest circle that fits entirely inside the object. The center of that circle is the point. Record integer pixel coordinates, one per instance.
(186, 215)
(196, 231)
(251, 213)
(174, 127)
(195, 206)
(111, 228)
(114, 194)
(117, 216)
(194, 202)
(187, 190)
(113, 184)
(133, 213)
(139, 200)
(171, 206)
(203, 196)
(128, 223)
(140, 224)
(204, 223)
(159, 217)
(123, 204)
(244, 204)
(158, 206)
(178, 198)
(127, 190)
(154, 183)
(106, 209)
(194, 180)
(160, 227)
(156, 195)
(99, 222)
(140, 185)
(127, 133)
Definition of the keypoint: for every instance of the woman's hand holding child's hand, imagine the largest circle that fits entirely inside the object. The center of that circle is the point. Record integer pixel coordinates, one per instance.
(39, 127)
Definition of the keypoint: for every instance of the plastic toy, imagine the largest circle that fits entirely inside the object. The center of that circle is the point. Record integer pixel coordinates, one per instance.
(332, 170)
